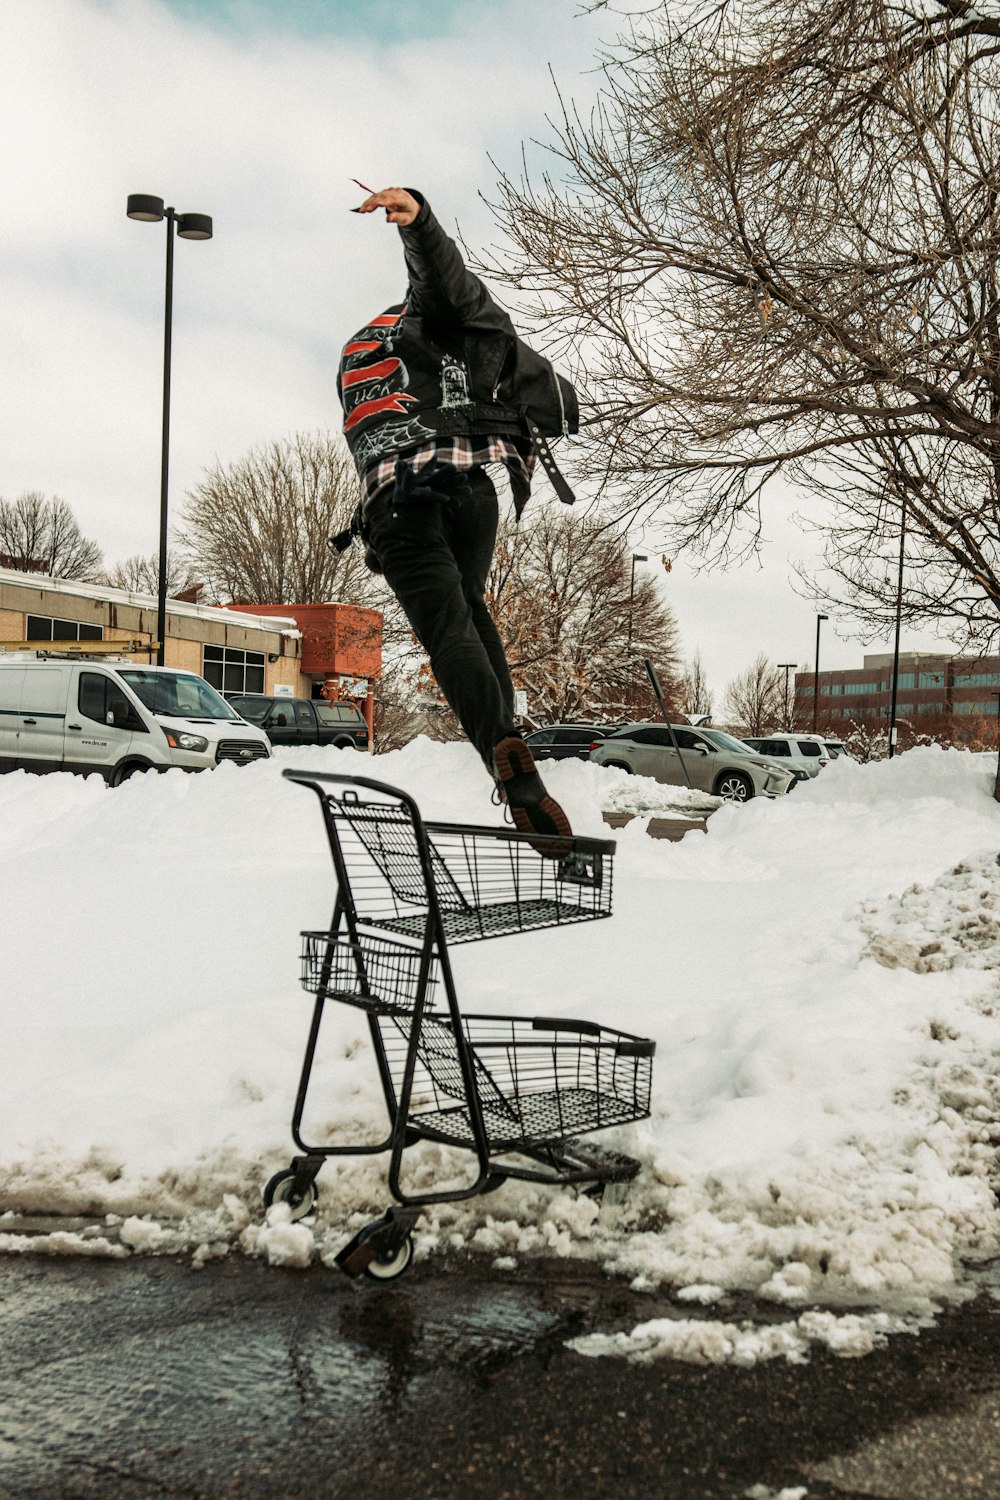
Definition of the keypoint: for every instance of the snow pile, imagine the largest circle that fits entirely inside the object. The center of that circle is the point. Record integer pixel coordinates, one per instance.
(764, 1492)
(703, 1342)
(824, 1119)
(953, 921)
(614, 790)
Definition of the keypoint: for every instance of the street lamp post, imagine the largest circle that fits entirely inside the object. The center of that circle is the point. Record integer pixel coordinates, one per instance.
(786, 667)
(636, 557)
(899, 616)
(996, 784)
(819, 621)
(149, 210)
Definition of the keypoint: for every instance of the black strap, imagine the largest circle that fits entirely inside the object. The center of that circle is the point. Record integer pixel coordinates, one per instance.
(343, 539)
(541, 447)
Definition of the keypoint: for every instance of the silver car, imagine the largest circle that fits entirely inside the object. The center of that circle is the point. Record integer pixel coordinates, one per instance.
(716, 762)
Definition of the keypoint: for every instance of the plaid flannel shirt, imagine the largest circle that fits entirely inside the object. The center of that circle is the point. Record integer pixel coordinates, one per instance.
(463, 452)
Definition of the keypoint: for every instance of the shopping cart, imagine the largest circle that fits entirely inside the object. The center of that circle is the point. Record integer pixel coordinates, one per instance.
(516, 1092)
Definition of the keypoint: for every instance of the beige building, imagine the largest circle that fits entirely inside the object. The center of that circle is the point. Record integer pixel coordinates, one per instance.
(235, 652)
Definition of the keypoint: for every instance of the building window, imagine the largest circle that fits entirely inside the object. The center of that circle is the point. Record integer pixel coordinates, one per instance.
(931, 680)
(836, 689)
(904, 680)
(975, 708)
(44, 628)
(860, 687)
(979, 679)
(233, 671)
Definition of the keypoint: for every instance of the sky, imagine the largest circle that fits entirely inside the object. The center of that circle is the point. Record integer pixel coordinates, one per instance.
(259, 113)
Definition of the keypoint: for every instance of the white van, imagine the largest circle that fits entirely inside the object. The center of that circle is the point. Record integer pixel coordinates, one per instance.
(116, 718)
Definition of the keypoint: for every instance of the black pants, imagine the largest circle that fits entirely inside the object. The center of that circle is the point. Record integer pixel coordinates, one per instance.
(435, 554)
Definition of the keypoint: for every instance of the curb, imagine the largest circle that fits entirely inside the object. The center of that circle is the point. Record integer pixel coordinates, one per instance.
(672, 829)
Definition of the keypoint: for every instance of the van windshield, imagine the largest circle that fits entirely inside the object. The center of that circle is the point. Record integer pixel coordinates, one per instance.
(179, 693)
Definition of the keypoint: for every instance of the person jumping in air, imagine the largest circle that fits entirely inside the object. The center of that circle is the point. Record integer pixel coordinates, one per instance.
(435, 389)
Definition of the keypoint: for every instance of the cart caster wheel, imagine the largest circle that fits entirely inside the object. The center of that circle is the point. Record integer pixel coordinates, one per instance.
(279, 1190)
(388, 1264)
(377, 1251)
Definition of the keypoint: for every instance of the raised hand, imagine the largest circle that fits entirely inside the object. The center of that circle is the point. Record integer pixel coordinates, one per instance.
(400, 206)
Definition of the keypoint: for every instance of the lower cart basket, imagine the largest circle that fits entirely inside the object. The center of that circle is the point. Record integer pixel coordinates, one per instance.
(537, 1081)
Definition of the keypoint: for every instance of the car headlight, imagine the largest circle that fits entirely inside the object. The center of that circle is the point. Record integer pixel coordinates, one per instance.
(179, 739)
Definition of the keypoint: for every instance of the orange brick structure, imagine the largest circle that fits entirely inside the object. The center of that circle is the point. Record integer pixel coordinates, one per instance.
(341, 643)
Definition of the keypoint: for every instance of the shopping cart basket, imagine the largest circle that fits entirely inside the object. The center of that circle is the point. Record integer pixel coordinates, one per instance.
(516, 1092)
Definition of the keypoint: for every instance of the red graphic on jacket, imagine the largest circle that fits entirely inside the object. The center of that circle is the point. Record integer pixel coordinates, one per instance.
(370, 386)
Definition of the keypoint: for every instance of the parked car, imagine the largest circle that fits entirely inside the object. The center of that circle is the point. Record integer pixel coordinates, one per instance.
(303, 721)
(715, 761)
(561, 741)
(807, 752)
(115, 718)
(836, 748)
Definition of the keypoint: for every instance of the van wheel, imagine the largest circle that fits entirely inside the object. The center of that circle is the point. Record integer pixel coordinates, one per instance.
(124, 772)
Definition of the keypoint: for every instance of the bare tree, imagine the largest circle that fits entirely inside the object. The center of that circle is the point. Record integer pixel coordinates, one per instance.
(141, 575)
(697, 698)
(43, 536)
(256, 530)
(776, 254)
(574, 629)
(754, 698)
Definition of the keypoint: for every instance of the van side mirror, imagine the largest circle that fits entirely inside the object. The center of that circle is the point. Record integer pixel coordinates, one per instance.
(123, 716)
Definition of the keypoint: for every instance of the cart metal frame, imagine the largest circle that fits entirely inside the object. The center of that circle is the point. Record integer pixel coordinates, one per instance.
(501, 1086)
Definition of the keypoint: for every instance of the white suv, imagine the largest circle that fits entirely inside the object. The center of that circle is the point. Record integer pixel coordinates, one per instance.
(806, 752)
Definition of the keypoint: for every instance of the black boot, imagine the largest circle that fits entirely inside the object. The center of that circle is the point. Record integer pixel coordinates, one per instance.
(531, 807)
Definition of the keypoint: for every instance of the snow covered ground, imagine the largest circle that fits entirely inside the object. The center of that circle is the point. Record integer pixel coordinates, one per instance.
(821, 975)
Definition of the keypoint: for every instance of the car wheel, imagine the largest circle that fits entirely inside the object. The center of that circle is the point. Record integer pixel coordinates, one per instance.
(617, 765)
(734, 787)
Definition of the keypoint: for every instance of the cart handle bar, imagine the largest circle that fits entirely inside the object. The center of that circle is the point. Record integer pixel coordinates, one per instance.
(639, 1047)
(311, 778)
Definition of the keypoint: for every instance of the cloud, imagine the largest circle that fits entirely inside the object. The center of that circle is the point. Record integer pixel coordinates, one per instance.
(263, 128)
(230, 110)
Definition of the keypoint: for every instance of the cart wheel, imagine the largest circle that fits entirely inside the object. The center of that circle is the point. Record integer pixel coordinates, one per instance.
(390, 1263)
(279, 1190)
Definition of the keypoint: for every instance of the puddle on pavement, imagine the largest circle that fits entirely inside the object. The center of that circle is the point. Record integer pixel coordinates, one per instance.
(459, 1321)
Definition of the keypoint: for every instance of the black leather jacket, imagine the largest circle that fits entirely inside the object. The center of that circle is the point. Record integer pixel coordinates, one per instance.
(445, 362)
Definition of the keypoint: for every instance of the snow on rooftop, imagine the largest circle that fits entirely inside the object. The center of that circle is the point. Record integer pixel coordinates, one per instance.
(820, 973)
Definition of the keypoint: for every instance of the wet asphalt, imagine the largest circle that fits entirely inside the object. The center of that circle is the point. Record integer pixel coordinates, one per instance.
(147, 1378)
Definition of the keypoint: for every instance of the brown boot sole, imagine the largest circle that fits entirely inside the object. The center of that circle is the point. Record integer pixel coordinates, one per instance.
(554, 845)
(513, 758)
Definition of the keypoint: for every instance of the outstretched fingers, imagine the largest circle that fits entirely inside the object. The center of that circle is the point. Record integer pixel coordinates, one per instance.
(400, 206)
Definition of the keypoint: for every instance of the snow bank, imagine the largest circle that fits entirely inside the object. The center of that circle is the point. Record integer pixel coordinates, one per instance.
(824, 1122)
(703, 1342)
